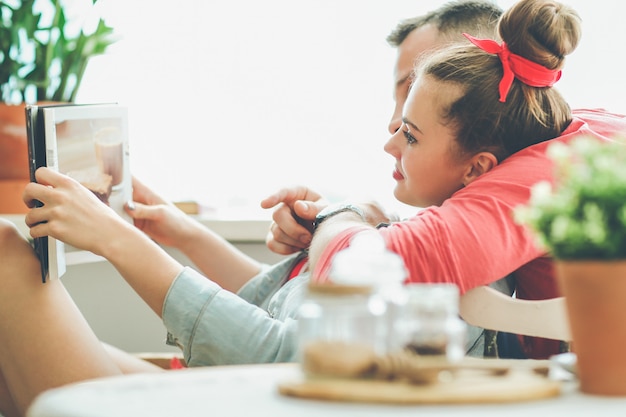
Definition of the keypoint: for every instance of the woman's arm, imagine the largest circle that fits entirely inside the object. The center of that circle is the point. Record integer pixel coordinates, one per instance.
(213, 255)
(218, 259)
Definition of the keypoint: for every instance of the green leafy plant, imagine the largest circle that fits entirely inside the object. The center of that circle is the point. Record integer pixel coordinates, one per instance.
(583, 215)
(44, 52)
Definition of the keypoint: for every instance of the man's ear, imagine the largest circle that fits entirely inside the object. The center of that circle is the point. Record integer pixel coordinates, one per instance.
(479, 164)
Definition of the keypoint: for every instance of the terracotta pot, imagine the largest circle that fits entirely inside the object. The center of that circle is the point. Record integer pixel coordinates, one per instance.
(14, 173)
(13, 145)
(595, 294)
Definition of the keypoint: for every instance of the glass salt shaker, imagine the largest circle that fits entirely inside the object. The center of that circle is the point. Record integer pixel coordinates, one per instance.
(340, 320)
(347, 316)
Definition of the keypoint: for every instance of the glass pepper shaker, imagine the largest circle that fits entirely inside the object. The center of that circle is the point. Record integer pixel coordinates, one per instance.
(430, 323)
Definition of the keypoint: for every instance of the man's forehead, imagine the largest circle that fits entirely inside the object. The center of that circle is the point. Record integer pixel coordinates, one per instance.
(416, 43)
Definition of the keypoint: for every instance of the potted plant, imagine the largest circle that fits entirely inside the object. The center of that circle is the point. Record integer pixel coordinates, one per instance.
(581, 220)
(44, 51)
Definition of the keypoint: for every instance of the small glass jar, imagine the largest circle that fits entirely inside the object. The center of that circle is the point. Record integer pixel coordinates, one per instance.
(430, 324)
(337, 322)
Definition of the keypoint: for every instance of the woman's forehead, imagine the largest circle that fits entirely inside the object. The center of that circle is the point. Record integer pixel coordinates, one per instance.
(430, 92)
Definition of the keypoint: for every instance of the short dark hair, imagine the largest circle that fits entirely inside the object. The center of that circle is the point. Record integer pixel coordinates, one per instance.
(476, 17)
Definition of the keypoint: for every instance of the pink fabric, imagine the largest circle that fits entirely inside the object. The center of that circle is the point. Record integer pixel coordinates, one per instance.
(341, 241)
(297, 268)
(472, 239)
(516, 66)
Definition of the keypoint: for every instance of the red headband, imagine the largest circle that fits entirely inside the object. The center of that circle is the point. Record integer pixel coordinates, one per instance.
(515, 66)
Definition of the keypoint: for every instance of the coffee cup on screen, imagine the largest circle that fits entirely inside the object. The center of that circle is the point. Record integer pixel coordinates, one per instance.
(110, 152)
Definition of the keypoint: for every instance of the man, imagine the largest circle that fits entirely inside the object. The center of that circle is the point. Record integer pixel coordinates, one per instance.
(297, 207)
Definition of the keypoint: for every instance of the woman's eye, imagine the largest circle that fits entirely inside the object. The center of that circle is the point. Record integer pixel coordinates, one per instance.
(410, 139)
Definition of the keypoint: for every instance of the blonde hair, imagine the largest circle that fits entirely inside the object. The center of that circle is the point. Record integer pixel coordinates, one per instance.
(543, 31)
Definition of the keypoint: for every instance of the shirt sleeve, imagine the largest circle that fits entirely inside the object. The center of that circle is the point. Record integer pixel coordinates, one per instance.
(213, 326)
(261, 288)
(338, 243)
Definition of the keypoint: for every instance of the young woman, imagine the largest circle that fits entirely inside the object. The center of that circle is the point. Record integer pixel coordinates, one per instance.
(472, 143)
(461, 128)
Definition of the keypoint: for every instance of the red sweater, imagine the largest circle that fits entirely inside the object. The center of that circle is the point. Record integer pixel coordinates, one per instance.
(472, 238)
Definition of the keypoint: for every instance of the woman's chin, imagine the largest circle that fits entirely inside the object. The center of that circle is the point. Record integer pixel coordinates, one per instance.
(406, 198)
(401, 197)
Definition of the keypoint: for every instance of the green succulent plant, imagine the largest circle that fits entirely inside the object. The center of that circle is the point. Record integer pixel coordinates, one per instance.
(43, 53)
(583, 215)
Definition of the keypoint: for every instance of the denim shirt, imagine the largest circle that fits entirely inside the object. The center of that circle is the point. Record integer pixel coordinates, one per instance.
(213, 326)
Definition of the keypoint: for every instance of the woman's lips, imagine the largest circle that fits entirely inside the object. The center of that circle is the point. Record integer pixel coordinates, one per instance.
(397, 175)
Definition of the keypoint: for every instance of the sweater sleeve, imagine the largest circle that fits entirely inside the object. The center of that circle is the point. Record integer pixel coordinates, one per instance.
(338, 243)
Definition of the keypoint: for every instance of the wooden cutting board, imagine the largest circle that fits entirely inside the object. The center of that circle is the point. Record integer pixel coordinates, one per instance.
(465, 386)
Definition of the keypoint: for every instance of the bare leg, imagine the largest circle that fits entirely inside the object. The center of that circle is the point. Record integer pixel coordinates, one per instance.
(45, 341)
(7, 406)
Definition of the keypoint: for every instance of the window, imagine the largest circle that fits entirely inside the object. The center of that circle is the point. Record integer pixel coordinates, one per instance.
(232, 99)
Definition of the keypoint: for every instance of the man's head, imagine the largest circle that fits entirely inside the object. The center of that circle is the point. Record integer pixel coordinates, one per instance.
(415, 36)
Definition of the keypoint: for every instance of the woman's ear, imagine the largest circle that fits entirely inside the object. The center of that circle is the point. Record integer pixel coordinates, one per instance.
(480, 163)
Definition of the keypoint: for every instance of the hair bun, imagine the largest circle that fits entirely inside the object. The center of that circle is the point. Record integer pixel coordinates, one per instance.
(542, 31)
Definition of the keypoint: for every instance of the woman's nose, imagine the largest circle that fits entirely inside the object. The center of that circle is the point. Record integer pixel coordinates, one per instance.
(390, 146)
(396, 119)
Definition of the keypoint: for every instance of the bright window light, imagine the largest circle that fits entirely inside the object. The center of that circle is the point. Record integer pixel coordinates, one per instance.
(230, 100)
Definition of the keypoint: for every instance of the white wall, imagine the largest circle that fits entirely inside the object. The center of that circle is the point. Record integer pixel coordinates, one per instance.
(116, 313)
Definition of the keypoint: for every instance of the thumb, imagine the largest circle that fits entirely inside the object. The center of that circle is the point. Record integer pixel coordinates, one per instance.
(140, 211)
(307, 210)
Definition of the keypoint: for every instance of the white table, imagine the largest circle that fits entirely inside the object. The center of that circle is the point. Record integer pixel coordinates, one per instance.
(252, 391)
